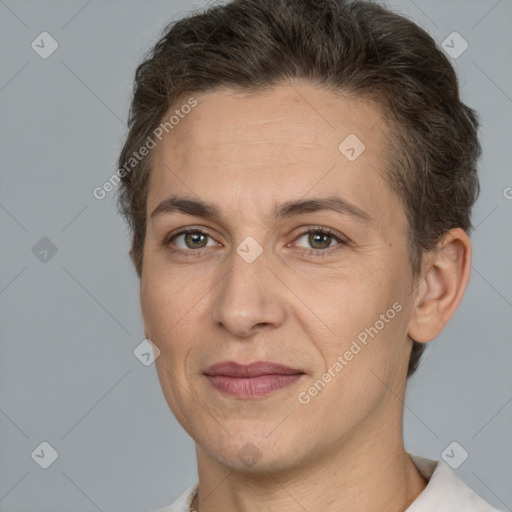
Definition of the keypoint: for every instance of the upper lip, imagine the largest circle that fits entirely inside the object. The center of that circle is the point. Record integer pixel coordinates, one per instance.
(234, 369)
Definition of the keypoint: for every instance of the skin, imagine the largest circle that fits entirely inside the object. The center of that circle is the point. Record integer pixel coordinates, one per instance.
(244, 153)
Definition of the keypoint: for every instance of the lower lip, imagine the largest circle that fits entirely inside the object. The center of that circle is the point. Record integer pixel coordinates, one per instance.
(252, 387)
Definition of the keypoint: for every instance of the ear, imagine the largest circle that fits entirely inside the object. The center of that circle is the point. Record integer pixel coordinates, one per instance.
(442, 283)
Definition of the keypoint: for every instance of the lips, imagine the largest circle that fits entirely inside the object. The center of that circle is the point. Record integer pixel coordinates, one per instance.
(253, 380)
(232, 369)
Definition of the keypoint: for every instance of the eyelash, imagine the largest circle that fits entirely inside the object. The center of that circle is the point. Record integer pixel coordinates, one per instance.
(312, 229)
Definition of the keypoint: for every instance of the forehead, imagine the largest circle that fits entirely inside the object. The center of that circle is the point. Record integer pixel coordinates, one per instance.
(298, 115)
(272, 146)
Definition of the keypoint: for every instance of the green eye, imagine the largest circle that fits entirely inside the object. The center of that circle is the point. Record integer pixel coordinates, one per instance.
(319, 239)
(195, 240)
(191, 240)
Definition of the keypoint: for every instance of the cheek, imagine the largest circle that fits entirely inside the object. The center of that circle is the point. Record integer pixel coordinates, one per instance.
(358, 364)
(153, 302)
(167, 312)
(175, 312)
(161, 312)
(166, 296)
(360, 317)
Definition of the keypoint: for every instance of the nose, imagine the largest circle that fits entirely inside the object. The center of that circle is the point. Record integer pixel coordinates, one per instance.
(249, 297)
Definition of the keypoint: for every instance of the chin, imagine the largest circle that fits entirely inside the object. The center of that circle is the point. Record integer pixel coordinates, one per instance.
(254, 453)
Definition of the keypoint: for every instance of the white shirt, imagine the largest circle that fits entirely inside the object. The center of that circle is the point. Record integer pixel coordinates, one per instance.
(445, 492)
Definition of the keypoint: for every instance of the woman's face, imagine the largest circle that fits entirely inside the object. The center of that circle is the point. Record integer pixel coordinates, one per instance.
(322, 289)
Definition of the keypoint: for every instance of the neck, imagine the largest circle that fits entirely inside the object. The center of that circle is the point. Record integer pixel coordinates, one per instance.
(370, 472)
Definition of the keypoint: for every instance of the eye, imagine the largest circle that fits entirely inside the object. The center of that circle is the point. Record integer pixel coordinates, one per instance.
(189, 240)
(192, 241)
(319, 240)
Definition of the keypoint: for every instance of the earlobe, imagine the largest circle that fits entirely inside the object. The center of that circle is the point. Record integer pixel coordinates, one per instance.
(443, 282)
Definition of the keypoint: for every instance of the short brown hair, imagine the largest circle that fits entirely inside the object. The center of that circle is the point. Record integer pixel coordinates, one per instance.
(357, 47)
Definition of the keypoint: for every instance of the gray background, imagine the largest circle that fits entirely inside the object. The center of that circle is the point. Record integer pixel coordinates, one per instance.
(69, 325)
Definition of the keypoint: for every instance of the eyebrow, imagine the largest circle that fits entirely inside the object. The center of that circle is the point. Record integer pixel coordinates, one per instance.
(198, 208)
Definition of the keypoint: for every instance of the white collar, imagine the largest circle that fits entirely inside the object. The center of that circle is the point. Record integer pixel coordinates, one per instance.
(445, 492)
